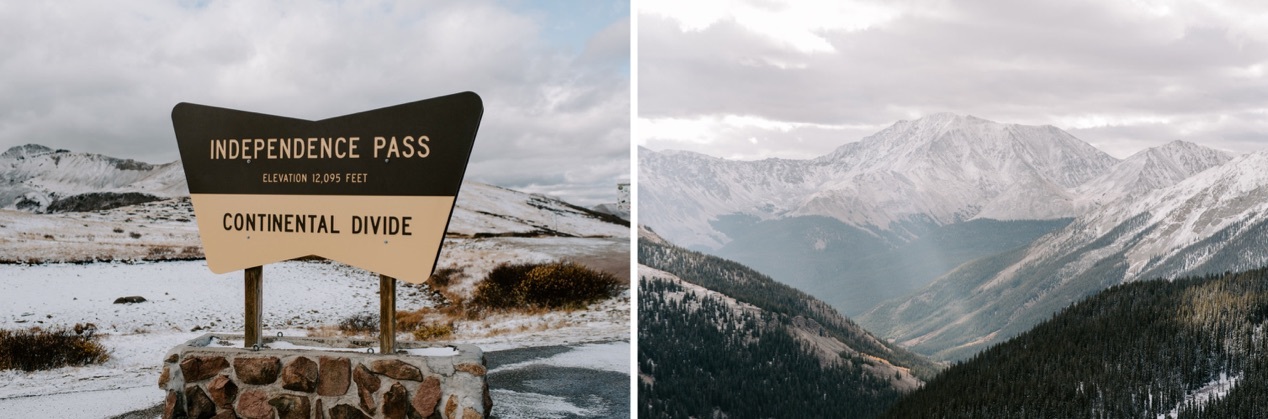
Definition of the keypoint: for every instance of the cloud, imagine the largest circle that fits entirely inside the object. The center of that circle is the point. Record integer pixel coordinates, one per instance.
(103, 77)
(1107, 71)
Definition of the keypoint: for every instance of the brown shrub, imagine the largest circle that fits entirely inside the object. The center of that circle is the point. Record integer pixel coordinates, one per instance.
(433, 331)
(549, 285)
(37, 349)
(445, 276)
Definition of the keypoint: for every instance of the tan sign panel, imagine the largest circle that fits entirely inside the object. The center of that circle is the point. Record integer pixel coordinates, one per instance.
(373, 189)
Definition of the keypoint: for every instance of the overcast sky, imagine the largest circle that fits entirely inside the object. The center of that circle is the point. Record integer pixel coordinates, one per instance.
(102, 76)
(782, 78)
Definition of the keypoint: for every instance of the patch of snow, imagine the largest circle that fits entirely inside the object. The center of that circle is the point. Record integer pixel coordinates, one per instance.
(514, 404)
(432, 351)
(184, 295)
(1214, 390)
(84, 404)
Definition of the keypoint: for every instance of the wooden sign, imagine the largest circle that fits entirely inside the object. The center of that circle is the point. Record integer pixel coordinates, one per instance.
(373, 189)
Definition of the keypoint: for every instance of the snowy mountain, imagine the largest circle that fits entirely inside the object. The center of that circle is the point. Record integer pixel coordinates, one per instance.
(126, 210)
(909, 215)
(936, 170)
(33, 176)
(1147, 170)
(486, 210)
(1214, 221)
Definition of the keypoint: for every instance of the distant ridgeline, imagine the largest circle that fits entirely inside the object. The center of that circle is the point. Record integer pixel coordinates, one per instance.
(1191, 348)
(40, 179)
(772, 352)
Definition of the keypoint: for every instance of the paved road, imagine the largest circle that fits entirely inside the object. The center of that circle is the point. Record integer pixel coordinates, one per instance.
(534, 383)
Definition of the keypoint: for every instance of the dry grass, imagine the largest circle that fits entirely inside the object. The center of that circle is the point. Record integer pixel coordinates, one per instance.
(527, 289)
(38, 349)
(433, 331)
(360, 323)
(554, 285)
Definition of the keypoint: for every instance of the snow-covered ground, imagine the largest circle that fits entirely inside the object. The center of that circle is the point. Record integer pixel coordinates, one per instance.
(490, 225)
(185, 300)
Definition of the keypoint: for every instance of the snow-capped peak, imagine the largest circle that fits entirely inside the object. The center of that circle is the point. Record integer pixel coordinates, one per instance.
(944, 167)
(32, 176)
(1148, 170)
(25, 151)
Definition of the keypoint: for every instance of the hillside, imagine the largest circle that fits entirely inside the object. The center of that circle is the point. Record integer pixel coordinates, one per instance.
(717, 338)
(35, 178)
(1211, 222)
(1190, 348)
(79, 207)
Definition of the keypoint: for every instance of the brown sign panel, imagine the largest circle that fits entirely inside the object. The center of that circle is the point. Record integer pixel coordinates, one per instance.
(373, 189)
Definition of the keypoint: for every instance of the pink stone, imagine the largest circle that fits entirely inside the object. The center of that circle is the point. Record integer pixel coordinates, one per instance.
(469, 368)
(198, 404)
(300, 375)
(198, 368)
(395, 402)
(396, 369)
(164, 377)
(334, 377)
(171, 407)
(344, 411)
(451, 406)
(367, 384)
(290, 406)
(257, 371)
(254, 404)
(427, 398)
(223, 391)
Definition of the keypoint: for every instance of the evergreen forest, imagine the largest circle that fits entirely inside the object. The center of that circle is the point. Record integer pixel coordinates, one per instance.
(702, 357)
(1189, 348)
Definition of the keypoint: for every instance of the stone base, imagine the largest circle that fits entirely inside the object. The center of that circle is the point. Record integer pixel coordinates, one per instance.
(318, 380)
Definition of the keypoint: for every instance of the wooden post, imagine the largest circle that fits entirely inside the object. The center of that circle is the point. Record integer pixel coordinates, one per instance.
(254, 305)
(387, 314)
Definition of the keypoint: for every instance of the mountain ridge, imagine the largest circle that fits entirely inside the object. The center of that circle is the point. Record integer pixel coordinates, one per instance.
(34, 176)
(944, 168)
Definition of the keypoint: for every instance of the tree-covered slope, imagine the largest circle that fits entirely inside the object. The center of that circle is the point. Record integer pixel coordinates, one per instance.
(716, 337)
(1193, 347)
